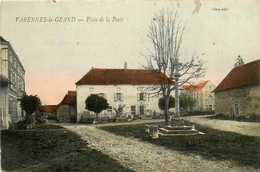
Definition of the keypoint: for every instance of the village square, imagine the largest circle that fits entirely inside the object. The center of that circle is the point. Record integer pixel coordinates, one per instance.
(173, 110)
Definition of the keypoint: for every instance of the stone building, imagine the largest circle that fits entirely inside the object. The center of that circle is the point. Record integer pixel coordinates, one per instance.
(67, 110)
(121, 87)
(238, 93)
(202, 95)
(12, 86)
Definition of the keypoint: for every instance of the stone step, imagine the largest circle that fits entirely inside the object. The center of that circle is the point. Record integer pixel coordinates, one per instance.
(179, 127)
(183, 134)
(166, 131)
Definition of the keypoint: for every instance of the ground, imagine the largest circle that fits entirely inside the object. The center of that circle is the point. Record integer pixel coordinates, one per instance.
(78, 147)
(245, 128)
(143, 156)
(139, 155)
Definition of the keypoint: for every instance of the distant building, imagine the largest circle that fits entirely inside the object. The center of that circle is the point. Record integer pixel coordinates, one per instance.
(67, 109)
(12, 86)
(120, 87)
(202, 95)
(48, 109)
(238, 93)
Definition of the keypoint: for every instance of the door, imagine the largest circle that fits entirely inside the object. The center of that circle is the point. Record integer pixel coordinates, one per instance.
(141, 110)
(236, 109)
(133, 110)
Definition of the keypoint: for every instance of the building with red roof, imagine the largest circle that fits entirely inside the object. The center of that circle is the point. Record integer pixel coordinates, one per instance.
(67, 110)
(238, 93)
(202, 95)
(120, 87)
(48, 109)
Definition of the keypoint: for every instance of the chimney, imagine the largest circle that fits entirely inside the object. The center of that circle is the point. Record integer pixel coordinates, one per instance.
(125, 66)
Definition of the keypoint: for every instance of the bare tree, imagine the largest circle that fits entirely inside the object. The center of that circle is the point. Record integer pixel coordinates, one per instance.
(166, 62)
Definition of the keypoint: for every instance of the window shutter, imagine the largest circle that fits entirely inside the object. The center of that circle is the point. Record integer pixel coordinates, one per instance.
(122, 96)
(144, 111)
(145, 96)
(115, 97)
(137, 96)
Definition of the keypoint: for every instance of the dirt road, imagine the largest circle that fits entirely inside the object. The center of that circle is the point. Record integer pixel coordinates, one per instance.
(144, 156)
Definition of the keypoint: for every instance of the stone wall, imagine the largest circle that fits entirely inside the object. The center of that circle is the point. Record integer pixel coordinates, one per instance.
(65, 113)
(247, 99)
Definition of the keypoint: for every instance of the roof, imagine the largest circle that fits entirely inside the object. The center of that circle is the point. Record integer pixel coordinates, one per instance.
(69, 98)
(48, 108)
(98, 76)
(192, 88)
(2, 39)
(241, 76)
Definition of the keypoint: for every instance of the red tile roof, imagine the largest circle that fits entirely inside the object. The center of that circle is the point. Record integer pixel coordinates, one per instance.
(69, 98)
(48, 108)
(2, 39)
(241, 76)
(72, 93)
(192, 88)
(97, 76)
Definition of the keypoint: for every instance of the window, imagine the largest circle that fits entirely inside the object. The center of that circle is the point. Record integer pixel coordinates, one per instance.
(210, 107)
(109, 109)
(101, 94)
(141, 96)
(118, 97)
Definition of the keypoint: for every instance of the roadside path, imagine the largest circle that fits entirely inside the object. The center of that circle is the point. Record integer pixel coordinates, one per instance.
(245, 128)
(144, 156)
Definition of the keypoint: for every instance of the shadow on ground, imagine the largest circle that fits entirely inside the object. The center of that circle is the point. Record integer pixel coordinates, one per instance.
(51, 148)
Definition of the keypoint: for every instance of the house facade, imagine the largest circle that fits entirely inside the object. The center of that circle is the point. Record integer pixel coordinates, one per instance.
(121, 87)
(67, 109)
(238, 93)
(202, 95)
(12, 84)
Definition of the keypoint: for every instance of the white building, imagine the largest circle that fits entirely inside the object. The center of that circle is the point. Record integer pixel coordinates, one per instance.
(203, 95)
(120, 87)
(12, 84)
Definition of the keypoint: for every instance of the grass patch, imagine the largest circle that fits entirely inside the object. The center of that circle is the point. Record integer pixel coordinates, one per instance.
(251, 118)
(54, 148)
(215, 145)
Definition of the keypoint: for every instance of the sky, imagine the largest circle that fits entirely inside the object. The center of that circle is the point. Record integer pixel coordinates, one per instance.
(56, 54)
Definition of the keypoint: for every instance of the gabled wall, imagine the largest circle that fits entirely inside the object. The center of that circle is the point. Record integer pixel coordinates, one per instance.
(130, 98)
(246, 98)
